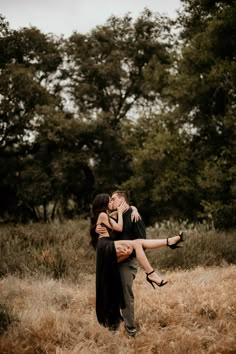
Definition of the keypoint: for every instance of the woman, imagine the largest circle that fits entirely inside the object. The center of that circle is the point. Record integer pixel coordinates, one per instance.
(109, 297)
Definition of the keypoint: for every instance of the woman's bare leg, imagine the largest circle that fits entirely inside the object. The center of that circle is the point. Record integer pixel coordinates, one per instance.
(125, 248)
(153, 243)
(139, 245)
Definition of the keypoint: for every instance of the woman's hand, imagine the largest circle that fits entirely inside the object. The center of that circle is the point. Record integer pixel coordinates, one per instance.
(123, 207)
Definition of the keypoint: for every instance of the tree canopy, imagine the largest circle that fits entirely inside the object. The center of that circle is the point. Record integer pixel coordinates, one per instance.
(146, 104)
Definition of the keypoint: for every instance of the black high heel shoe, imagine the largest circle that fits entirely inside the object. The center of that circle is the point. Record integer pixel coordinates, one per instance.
(152, 282)
(175, 245)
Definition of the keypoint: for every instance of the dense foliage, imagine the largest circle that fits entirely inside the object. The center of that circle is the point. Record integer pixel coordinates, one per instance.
(63, 250)
(144, 104)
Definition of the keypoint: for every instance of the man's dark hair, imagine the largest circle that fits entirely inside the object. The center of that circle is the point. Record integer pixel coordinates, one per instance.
(122, 193)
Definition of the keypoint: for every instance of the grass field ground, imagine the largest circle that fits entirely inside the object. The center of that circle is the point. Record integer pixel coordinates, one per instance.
(47, 293)
(194, 313)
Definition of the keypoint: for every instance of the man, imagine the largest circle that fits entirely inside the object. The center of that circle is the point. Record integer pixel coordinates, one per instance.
(128, 268)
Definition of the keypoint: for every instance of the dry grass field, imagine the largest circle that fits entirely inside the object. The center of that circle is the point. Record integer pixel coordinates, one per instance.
(194, 313)
(47, 293)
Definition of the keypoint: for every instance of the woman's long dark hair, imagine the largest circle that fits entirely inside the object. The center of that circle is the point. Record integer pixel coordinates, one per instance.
(99, 205)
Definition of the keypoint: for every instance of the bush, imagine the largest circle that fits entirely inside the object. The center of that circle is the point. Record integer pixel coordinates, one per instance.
(55, 250)
(63, 251)
(203, 245)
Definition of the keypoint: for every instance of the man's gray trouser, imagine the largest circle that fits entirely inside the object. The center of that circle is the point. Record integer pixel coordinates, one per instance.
(128, 271)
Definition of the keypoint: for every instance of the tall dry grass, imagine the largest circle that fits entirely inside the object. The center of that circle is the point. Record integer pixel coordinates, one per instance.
(47, 293)
(62, 251)
(54, 250)
(194, 313)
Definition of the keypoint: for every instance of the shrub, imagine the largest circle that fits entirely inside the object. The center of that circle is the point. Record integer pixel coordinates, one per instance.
(64, 251)
(55, 250)
(203, 246)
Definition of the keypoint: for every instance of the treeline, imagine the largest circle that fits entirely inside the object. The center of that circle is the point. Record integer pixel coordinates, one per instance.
(145, 104)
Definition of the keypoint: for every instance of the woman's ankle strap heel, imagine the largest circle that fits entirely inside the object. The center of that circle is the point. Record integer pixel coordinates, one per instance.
(175, 245)
(152, 282)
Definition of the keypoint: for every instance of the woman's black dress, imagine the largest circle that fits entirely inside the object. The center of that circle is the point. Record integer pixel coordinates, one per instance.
(109, 295)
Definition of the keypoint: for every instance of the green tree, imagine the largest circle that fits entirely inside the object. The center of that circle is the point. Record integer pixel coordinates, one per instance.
(111, 77)
(184, 163)
(161, 183)
(61, 158)
(28, 65)
(205, 90)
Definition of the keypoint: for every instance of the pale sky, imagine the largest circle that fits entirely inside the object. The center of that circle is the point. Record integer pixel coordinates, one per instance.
(62, 17)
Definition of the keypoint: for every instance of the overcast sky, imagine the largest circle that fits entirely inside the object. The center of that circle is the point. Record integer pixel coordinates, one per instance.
(65, 16)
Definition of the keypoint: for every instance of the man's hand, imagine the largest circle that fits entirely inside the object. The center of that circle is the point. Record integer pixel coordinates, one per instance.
(135, 216)
(101, 230)
(123, 250)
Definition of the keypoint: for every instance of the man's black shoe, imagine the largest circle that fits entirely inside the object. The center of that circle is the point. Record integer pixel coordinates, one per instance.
(131, 332)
